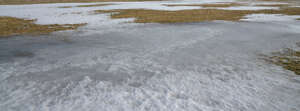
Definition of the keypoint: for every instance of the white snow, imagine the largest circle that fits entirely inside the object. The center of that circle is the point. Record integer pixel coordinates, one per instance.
(269, 17)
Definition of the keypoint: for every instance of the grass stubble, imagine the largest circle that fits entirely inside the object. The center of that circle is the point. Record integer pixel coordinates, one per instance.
(10, 26)
(288, 59)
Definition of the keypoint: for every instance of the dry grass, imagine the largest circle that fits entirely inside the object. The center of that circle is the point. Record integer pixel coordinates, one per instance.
(160, 16)
(10, 26)
(65, 7)
(273, 5)
(284, 10)
(13, 2)
(93, 5)
(196, 15)
(208, 5)
(288, 59)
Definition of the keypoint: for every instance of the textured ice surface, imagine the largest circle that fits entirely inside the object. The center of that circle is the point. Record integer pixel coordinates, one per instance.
(114, 66)
(201, 66)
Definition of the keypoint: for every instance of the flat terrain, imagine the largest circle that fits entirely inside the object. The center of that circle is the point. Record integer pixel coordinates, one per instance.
(14, 2)
(150, 56)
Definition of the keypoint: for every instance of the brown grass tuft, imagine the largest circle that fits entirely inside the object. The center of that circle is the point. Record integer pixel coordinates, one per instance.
(284, 10)
(196, 15)
(10, 26)
(160, 16)
(65, 7)
(288, 59)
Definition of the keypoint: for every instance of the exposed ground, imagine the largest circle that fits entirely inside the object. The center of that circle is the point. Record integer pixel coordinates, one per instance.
(10, 26)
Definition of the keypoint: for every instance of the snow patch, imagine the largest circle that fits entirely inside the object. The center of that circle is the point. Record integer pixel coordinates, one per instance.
(269, 17)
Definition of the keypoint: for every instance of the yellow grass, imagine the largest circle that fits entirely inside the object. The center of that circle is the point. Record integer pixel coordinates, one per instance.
(160, 16)
(196, 15)
(10, 26)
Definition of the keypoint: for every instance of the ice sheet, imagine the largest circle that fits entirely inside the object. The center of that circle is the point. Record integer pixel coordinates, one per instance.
(111, 65)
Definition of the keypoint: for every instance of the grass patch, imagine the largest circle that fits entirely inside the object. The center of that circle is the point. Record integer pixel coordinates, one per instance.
(288, 59)
(162, 16)
(208, 5)
(15, 2)
(273, 5)
(196, 15)
(298, 19)
(10, 26)
(65, 7)
(285, 11)
(93, 5)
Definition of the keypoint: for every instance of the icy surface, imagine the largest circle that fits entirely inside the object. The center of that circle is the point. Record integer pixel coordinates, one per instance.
(111, 65)
(269, 17)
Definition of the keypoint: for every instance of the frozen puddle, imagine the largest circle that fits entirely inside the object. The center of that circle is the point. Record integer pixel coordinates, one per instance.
(111, 65)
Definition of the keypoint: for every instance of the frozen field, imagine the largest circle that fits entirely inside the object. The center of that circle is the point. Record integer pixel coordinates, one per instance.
(113, 65)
